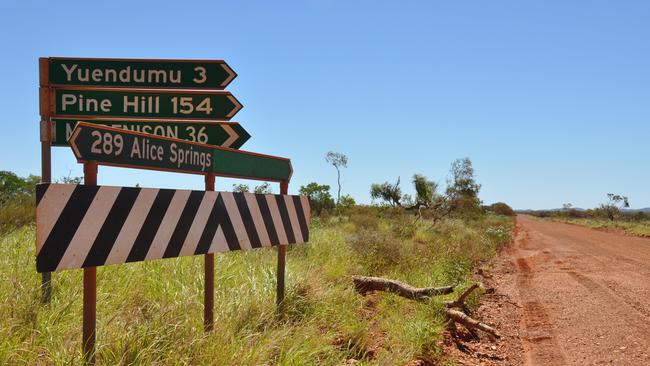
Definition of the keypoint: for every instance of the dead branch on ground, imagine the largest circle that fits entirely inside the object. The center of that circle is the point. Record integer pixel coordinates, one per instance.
(363, 285)
(462, 317)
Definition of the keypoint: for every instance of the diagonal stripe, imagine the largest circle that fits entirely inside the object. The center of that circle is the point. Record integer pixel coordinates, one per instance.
(184, 224)
(88, 228)
(236, 220)
(198, 225)
(258, 221)
(277, 219)
(302, 219)
(151, 225)
(265, 211)
(293, 217)
(66, 225)
(210, 227)
(284, 214)
(41, 188)
(247, 218)
(306, 208)
(106, 238)
(132, 226)
(168, 224)
(49, 209)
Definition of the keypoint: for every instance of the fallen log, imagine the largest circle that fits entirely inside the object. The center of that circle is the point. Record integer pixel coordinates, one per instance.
(365, 284)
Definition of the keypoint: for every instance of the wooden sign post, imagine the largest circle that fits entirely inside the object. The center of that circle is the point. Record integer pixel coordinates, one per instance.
(282, 254)
(208, 294)
(90, 286)
(46, 153)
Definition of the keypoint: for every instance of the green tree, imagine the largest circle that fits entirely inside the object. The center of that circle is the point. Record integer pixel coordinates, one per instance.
(319, 197)
(612, 207)
(462, 189)
(264, 188)
(425, 190)
(11, 184)
(339, 161)
(240, 188)
(389, 193)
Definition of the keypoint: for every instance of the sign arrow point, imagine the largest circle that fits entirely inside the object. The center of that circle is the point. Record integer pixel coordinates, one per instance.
(236, 106)
(231, 75)
(233, 136)
(73, 141)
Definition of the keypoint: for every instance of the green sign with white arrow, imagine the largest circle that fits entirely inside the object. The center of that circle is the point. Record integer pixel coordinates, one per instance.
(140, 73)
(142, 103)
(224, 134)
(123, 148)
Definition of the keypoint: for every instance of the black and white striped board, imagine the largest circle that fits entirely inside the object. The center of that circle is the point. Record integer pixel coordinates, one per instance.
(80, 226)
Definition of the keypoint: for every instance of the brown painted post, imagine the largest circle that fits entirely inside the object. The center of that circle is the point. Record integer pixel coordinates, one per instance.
(46, 156)
(90, 287)
(282, 253)
(208, 296)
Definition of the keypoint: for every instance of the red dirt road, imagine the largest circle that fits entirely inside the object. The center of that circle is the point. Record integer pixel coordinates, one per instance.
(584, 295)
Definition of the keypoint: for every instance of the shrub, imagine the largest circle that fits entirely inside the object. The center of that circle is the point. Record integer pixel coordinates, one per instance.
(16, 212)
(501, 208)
(346, 202)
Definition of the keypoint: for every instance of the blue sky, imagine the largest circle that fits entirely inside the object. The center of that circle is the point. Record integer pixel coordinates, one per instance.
(550, 100)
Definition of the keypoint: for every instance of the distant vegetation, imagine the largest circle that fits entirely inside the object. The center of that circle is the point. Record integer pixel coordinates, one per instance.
(610, 215)
(16, 200)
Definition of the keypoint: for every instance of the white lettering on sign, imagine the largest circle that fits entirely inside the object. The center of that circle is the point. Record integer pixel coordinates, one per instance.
(180, 155)
(187, 105)
(141, 104)
(107, 143)
(84, 104)
(75, 73)
(160, 130)
(144, 149)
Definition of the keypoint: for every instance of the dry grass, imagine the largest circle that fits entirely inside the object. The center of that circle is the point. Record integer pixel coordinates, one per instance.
(151, 313)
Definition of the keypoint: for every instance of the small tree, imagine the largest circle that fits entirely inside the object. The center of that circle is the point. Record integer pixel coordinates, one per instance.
(425, 190)
(390, 193)
(240, 188)
(567, 207)
(319, 197)
(339, 161)
(614, 204)
(264, 188)
(462, 189)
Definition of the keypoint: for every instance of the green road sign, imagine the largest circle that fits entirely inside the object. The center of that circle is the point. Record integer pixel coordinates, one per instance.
(139, 103)
(123, 148)
(224, 134)
(140, 73)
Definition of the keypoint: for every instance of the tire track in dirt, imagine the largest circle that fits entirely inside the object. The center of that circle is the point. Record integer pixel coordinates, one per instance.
(584, 294)
(537, 334)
